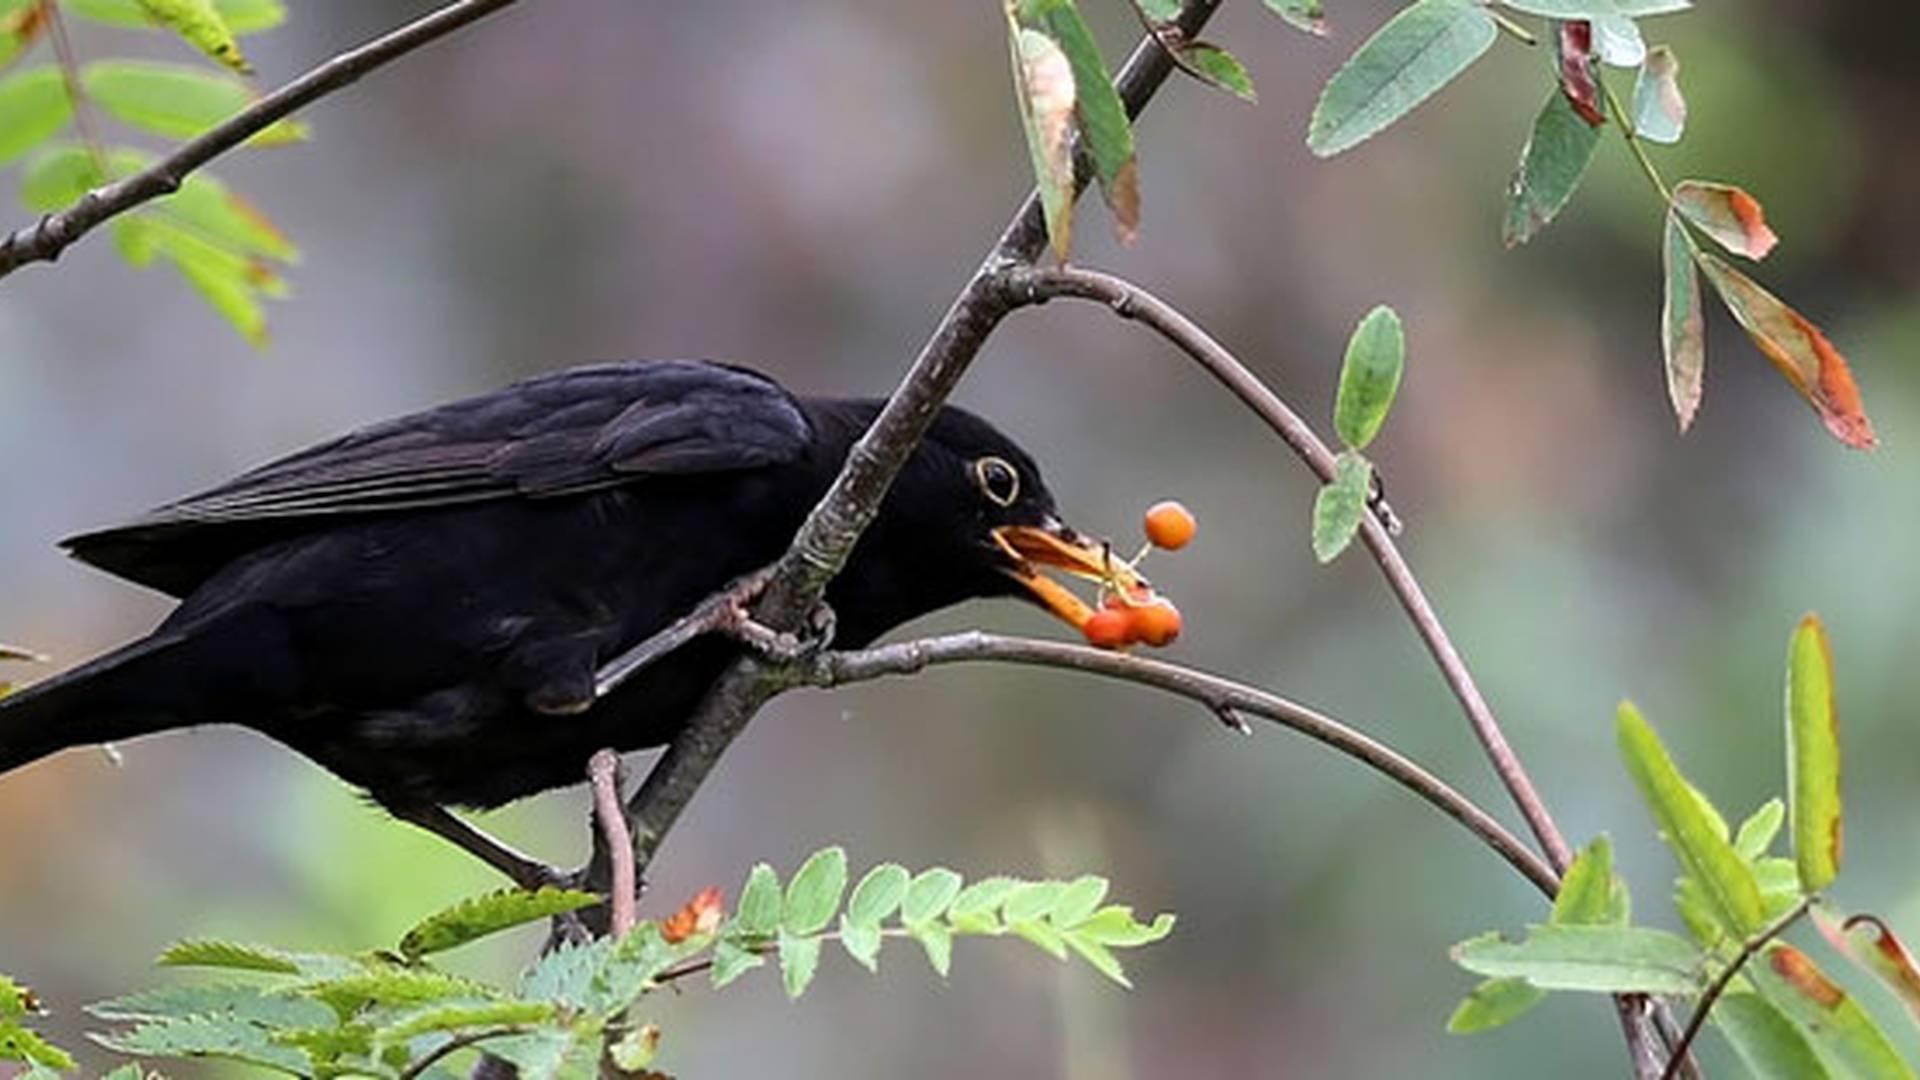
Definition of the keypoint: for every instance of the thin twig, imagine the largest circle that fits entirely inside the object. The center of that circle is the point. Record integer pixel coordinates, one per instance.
(1212, 691)
(1720, 982)
(821, 546)
(45, 240)
(454, 1046)
(604, 772)
(77, 98)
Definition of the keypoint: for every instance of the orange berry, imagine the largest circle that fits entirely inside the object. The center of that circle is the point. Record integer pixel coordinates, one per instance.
(1157, 623)
(1170, 525)
(1109, 628)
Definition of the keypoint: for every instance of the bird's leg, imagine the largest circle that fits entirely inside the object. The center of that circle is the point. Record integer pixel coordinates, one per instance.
(716, 612)
(524, 870)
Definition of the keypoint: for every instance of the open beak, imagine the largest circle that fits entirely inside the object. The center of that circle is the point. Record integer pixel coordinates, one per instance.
(1054, 545)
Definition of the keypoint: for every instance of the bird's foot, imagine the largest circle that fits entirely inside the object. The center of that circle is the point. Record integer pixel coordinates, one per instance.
(782, 646)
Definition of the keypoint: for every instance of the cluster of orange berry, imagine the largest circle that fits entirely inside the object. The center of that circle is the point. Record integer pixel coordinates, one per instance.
(1137, 615)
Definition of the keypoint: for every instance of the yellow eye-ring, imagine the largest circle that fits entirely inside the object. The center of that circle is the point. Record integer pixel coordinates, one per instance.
(998, 481)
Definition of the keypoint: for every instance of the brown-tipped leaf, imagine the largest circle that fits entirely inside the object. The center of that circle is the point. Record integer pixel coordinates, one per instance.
(1798, 349)
(1683, 329)
(1844, 1034)
(1870, 943)
(1732, 217)
(1044, 83)
(1579, 78)
(1813, 756)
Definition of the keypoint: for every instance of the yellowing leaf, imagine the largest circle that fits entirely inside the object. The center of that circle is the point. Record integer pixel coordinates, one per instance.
(200, 23)
(1813, 756)
(1732, 217)
(176, 100)
(1798, 349)
(19, 29)
(1044, 80)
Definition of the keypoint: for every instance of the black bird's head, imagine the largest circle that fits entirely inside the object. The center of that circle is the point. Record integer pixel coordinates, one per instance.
(968, 517)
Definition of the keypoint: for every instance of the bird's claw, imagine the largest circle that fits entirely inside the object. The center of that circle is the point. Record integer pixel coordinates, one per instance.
(781, 646)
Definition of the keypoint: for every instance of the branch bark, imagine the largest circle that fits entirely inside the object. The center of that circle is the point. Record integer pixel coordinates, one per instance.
(55, 232)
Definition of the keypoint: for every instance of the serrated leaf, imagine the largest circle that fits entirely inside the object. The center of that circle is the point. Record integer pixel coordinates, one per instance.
(1031, 900)
(390, 985)
(240, 1001)
(1104, 127)
(1340, 506)
(565, 975)
(1727, 213)
(1493, 1003)
(862, 942)
(327, 1044)
(24, 1044)
(1558, 150)
(452, 1017)
(1307, 15)
(1097, 955)
(176, 100)
(937, 941)
(242, 16)
(760, 902)
(799, 959)
(1115, 926)
(228, 954)
(1044, 89)
(732, 960)
(477, 917)
(201, 25)
(1757, 832)
(1813, 756)
(1842, 1033)
(975, 908)
(1369, 377)
(1683, 327)
(878, 895)
(1767, 1042)
(1609, 959)
(1042, 936)
(1700, 845)
(1659, 110)
(813, 896)
(1872, 945)
(1797, 349)
(33, 108)
(1416, 53)
(553, 1053)
(928, 896)
(1078, 900)
(207, 1036)
(1590, 893)
(1219, 68)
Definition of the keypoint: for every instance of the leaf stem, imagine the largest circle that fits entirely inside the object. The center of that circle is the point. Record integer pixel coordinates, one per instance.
(1634, 142)
(77, 98)
(1720, 983)
(454, 1046)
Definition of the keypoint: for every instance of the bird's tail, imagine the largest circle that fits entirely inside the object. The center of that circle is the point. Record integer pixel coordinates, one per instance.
(112, 697)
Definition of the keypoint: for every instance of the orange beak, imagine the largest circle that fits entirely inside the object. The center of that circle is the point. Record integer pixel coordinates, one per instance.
(1060, 548)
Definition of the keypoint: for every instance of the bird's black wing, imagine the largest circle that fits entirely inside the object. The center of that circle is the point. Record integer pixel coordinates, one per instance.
(566, 433)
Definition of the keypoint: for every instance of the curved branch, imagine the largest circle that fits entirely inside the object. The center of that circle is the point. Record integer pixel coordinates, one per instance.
(1132, 302)
(1218, 694)
(1720, 983)
(54, 233)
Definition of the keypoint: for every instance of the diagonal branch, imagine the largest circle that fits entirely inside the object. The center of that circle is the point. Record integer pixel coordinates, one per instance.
(54, 233)
(1216, 693)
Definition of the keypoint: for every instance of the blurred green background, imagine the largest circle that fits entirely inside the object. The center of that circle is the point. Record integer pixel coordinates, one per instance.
(803, 188)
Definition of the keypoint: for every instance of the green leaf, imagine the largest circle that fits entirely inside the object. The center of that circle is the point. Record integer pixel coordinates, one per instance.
(228, 954)
(1097, 955)
(1044, 89)
(1659, 111)
(1078, 901)
(244, 1002)
(760, 902)
(1779, 883)
(208, 1036)
(554, 1053)
(1031, 900)
(1040, 935)
(1683, 336)
(928, 896)
(242, 16)
(1767, 1042)
(201, 25)
(1340, 505)
(1844, 1036)
(390, 985)
(21, 24)
(479, 916)
(566, 975)
(1217, 67)
(176, 100)
(878, 895)
(1551, 164)
(799, 959)
(633, 964)
(1115, 926)
(1307, 15)
(732, 960)
(814, 894)
(205, 205)
(862, 942)
(1608, 959)
(937, 940)
(1159, 12)
(33, 108)
(1757, 832)
(1813, 756)
(57, 177)
(1493, 1003)
(1590, 893)
(453, 1017)
(1369, 377)
(16, 1001)
(23, 1044)
(1700, 845)
(974, 909)
(1872, 945)
(1416, 53)
(1597, 9)
(1103, 117)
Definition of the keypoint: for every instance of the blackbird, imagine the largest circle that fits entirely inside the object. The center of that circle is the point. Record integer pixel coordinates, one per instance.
(421, 606)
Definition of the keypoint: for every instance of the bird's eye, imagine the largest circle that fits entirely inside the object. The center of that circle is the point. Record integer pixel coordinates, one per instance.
(998, 480)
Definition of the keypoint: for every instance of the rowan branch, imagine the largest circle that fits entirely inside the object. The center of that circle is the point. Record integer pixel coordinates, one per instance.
(55, 232)
(1216, 693)
(1720, 983)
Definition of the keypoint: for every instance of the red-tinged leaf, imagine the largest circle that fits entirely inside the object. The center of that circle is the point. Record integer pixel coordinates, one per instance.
(701, 915)
(1843, 1033)
(1798, 349)
(1579, 80)
(19, 29)
(1683, 336)
(1731, 216)
(1659, 111)
(1870, 943)
(1045, 81)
